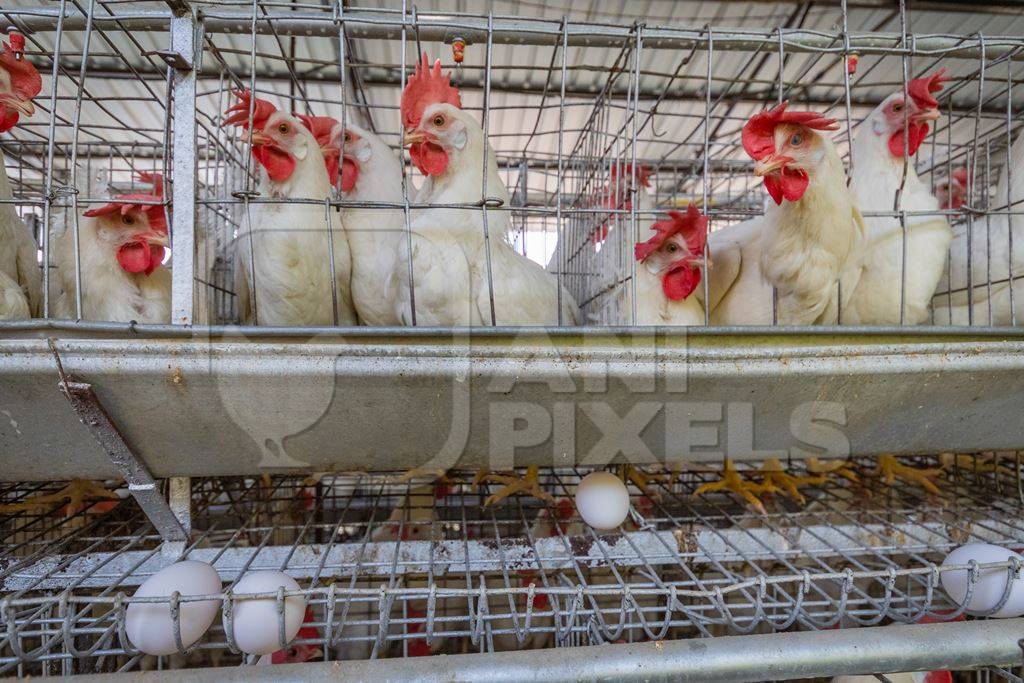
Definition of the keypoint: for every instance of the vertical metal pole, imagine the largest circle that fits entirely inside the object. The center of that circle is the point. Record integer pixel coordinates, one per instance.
(48, 182)
(1009, 187)
(634, 191)
(562, 244)
(179, 497)
(704, 174)
(483, 185)
(183, 170)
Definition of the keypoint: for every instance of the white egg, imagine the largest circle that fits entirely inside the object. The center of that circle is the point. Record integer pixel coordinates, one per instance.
(149, 626)
(256, 622)
(991, 582)
(602, 500)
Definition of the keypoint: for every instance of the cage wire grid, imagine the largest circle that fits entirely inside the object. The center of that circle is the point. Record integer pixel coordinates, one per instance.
(600, 99)
(389, 568)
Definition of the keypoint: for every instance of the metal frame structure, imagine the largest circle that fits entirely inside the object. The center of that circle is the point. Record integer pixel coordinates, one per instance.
(179, 393)
(385, 566)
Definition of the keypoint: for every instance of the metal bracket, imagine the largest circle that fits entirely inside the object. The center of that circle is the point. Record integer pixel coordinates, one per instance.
(173, 59)
(140, 482)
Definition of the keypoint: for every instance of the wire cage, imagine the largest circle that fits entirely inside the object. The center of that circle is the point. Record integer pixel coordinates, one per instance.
(569, 120)
(599, 127)
(399, 570)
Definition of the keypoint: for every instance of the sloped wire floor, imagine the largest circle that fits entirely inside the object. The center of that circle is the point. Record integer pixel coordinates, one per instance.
(398, 569)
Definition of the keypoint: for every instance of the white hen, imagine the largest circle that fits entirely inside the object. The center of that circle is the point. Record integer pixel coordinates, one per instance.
(808, 243)
(990, 259)
(371, 172)
(450, 254)
(20, 279)
(877, 179)
(283, 251)
(668, 270)
(121, 247)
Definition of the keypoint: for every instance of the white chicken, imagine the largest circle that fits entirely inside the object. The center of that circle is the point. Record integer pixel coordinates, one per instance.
(283, 251)
(121, 248)
(990, 259)
(20, 278)
(808, 244)
(668, 270)
(450, 253)
(371, 172)
(878, 175)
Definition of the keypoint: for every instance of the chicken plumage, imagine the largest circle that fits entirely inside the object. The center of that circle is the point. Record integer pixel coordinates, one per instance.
(283, 250)
(989, 259)
(371, 172)
(449, 251)
(121, 248)
(668, 270)
(20, 277)
(878, 174)
(808, 244)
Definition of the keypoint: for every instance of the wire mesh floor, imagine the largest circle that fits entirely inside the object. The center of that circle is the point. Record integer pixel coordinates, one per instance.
(405, 569)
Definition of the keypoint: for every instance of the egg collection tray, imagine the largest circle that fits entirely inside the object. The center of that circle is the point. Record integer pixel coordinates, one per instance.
(391, 569)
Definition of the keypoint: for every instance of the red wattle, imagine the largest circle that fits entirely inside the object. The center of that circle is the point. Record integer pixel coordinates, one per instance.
(8, 119)
(680, 281)
(916, 133)
(786, 184)
(430, 158)
(279, 164)
(140, 257)
(332, 170)
(349, 174)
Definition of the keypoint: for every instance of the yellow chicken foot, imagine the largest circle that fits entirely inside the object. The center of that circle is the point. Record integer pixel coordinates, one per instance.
(842, 468)
(890, 469)
(528, 483)
(981, 464)
(732, 481)
(775, 479)
(642, 480)
(76, 493)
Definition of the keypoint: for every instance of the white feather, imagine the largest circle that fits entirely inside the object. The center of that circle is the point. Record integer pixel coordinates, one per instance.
(877, 176)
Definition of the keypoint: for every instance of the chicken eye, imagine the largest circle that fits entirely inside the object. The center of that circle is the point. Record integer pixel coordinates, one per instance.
(348, 137)
(439, 121)
(796, 140)
(127, 220)
(283, 128)
(671, 248)
(897, 106)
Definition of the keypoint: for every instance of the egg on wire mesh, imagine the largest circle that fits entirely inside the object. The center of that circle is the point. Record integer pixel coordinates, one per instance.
(602, 500)
(150, 627)
(256, 622)
(991, 583)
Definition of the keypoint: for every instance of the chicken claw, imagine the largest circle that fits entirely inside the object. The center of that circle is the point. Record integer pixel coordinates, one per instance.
(732, 481)
(842, 468)
(76, 493)
(642, 480)
(890, 469)
(777, 480)
(528, 483)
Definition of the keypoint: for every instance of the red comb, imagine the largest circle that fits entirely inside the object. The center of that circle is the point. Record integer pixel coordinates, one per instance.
(155, 179)
(319, 126)
(643, 174)
(125, 203)
(921, 89)
(759, 132)
(238, 114)
(960, 176)
(426, 86)
(693, 226)
(25, 80)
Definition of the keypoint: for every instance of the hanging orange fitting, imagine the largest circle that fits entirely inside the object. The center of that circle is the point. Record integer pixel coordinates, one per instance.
(851, 63)
(458, 50)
